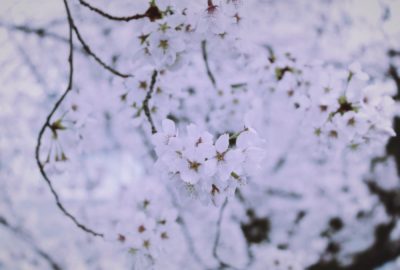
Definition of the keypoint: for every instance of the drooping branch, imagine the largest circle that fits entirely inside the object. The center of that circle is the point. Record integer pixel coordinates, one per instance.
(153, 13)
(47, 125)
(147, 99)
(95, 57)
(205, 58)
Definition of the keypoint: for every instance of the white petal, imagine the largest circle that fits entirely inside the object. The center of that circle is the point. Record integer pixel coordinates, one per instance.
(244, 140)
(224, 172)
(192, 130)
(189, 176)
(206, 151)
(222, 144)
(168, 126)
(210, 167)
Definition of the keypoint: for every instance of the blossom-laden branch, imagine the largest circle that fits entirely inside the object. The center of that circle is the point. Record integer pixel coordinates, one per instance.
(146, 102)
(48, 125)
(205, 58)
(153, 13)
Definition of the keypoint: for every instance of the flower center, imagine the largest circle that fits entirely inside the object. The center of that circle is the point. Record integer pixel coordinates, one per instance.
(194, 165)
(220, 156)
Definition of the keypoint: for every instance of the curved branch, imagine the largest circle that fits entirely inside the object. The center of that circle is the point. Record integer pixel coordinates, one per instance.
(152, 13)
(47, 125)
(91, 53)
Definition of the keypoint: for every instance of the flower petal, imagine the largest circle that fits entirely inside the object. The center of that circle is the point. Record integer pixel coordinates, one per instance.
(222, 144)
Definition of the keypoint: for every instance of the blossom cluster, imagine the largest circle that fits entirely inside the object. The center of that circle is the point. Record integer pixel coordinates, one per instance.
(339, 107)
(225, 65)
(207, 169)
(148, 234)
(176, 29)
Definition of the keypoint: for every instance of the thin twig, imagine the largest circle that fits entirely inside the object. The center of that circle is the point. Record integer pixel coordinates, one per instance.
(47, 124)
(147, 99)
(222, 264)
(185, 231)
(189, 241)
(20, 233)
(91, 53)
(112, 17)
(41, 32)
(29, 63)
(205, 58)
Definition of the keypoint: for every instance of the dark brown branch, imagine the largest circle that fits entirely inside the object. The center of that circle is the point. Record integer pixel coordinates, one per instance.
(393, 53)
(389, 198)
(392, 72)
(381, 251)
(91, 53)
(47, 124)
(18, 232)
(205, 58)
(146, 102)
(153, 13)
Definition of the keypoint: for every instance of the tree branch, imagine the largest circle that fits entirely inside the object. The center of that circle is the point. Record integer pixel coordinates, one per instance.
(47, 124)
(146, 102)
(91, 53)
(18, 232)
(222, 265)
(40, 32)
(381, 251)
(153, 13)
(205, 58)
